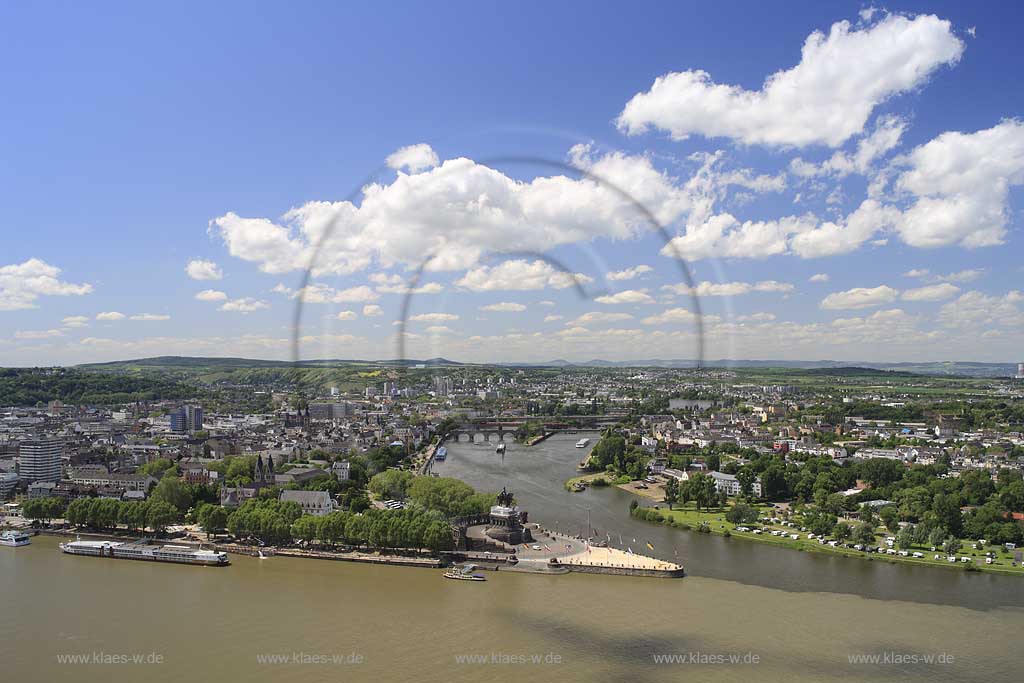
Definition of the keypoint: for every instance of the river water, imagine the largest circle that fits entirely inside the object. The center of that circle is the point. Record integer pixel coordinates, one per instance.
(745, 612)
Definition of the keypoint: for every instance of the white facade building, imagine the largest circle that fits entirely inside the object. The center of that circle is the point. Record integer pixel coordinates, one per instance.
(39, 460)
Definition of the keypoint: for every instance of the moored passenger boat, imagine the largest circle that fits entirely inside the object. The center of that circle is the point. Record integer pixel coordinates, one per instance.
(179, 554)
(464, 573)
(15, 538)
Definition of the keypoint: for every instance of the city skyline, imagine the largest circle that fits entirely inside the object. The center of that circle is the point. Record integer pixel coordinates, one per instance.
(846, 187)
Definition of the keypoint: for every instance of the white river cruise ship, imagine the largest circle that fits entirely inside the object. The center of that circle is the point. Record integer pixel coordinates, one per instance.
(180, 554)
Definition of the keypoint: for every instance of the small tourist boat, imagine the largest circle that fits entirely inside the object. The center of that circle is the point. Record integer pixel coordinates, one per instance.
(500, 449)
(464, 573)
(15, 539)
(441, 454)
(582, 443)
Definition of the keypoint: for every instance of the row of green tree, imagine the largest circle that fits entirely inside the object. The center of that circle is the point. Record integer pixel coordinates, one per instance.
(448, 496)
(411, 528)
(109, 513)
(612, 454)
(280, 523)
(700, 488)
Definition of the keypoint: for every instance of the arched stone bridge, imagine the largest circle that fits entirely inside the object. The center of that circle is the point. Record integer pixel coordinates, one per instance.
(471, 434)
(502, 428)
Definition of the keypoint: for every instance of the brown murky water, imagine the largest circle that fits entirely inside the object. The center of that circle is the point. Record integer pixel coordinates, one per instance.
(746, 612)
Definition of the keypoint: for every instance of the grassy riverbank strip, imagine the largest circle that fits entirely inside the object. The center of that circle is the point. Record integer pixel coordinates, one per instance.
(587, 479)
(714, 521)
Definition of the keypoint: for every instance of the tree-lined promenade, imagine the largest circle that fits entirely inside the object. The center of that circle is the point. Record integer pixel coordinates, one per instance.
(423, 525)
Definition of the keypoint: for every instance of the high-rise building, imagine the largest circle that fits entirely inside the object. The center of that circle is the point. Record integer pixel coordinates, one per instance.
(39, 460)
(8, 480)
(195, 418)
(187, 419)
(443, 386)
(1020, 370)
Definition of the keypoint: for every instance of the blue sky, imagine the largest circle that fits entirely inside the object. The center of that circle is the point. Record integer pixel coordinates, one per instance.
(139, 139)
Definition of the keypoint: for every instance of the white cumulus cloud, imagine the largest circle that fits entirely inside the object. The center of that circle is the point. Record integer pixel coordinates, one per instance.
(414, 158)
(520, 275)
(455, 213)
(859, 297)
(825, 99)
(599, 317)
(211, 295)
(21, 284)
(318, 293)
(434, 317)
(627, 296)
(504, 307)
(243, 305)
(671, 315)
(629, 273)
(38, 334)
(198, 269)
(961, 184)
(396, 284)
(707, 288)
(939, 292)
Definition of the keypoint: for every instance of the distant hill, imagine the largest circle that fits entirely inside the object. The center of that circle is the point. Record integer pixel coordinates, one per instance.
(194, 362)
(945, 368)
(32, 386)
(183, 363)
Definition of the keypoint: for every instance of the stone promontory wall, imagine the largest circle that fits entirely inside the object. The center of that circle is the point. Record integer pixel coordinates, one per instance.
(628, 571)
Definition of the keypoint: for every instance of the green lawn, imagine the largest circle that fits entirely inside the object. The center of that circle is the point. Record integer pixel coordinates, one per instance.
(715, 519)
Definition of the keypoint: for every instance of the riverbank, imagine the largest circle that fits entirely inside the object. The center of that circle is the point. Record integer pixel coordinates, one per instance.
(714, 521)
(423, 465)
(585, 479)
(347, 556)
